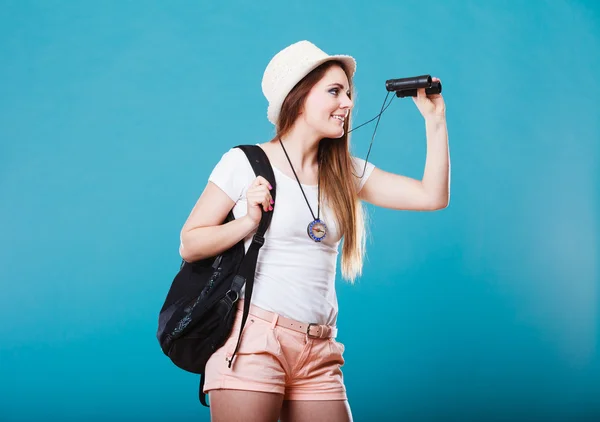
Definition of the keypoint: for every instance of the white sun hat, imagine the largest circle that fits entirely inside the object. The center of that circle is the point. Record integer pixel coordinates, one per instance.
(289, 66)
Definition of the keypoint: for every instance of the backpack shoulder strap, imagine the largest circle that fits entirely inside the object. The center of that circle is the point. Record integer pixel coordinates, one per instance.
(262, 167)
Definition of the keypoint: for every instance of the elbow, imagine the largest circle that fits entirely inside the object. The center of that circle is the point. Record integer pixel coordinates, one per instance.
(190, 251)
(440, 203)
(442, 206)
(187, 256)
(435, 199)
(184, 251)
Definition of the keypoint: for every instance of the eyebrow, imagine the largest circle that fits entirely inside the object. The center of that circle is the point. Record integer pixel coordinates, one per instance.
(337, 84)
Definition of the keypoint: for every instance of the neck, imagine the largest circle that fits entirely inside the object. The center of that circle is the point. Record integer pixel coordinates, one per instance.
(302, 146)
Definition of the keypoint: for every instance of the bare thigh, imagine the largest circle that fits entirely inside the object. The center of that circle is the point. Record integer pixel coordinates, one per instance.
(244, 406)
(316, 411)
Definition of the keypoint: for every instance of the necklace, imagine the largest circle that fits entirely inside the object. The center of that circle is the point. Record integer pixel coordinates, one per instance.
(317, 230)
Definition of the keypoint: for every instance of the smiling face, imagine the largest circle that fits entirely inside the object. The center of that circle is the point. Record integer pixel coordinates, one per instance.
(328, 104)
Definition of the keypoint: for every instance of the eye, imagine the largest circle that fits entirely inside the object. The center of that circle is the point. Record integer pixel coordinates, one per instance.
(335, 91)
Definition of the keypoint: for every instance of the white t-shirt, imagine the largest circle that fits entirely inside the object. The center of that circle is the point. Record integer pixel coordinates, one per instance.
(295, 276)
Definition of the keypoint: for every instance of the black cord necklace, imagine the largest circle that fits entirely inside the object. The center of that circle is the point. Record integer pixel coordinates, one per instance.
(317, 230)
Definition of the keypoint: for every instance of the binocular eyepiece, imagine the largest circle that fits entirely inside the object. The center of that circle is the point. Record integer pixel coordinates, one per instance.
(407, 87)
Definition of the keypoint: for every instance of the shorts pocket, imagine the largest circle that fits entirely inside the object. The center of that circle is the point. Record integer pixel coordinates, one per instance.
(254, 337)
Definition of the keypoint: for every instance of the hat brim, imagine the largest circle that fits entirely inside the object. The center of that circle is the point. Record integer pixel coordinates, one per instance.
(348, 61)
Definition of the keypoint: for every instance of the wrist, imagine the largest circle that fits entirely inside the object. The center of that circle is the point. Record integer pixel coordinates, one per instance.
(435, 118)
(248, 223)
(435, 124)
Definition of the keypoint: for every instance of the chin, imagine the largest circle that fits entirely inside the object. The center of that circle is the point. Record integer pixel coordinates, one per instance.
(335, 134)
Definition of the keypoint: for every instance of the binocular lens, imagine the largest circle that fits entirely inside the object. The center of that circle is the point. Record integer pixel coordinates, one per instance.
(407, 87)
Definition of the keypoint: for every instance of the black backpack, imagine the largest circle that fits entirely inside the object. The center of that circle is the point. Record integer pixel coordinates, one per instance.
(197, 316)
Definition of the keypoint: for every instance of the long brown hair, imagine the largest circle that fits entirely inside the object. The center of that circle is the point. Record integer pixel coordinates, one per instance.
(337, 175)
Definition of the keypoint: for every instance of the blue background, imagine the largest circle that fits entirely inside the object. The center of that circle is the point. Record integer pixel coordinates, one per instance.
(112, 115)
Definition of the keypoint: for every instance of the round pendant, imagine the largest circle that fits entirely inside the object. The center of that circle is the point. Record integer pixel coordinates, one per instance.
(317, 230)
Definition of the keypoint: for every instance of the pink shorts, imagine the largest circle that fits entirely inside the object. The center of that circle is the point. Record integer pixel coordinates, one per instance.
(275, 359)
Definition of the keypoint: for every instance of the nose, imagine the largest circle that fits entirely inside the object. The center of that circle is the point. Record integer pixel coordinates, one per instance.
(346, 102)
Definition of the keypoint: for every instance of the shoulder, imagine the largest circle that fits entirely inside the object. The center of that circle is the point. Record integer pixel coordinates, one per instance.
(234, 156)
(362, 170)
(360, 163)
(232, 173)
(234, 160)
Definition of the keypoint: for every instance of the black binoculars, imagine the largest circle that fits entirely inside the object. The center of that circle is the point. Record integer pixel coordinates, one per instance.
(407, 87)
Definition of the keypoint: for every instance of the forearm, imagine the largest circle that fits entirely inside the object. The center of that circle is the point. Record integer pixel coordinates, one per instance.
(436, 177)
(204, 242)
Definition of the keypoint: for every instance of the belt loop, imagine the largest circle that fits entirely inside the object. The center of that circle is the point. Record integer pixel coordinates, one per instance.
(274, 322)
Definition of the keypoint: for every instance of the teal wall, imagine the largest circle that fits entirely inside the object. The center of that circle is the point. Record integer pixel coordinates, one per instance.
(112, 115)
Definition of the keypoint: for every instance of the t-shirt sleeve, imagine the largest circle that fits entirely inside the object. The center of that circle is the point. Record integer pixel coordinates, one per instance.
(359, 168)
(230, 173)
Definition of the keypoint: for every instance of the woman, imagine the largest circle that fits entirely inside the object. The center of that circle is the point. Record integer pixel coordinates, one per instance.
(288, 363)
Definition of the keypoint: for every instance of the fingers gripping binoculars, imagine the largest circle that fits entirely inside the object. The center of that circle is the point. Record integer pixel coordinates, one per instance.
(407, 87)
